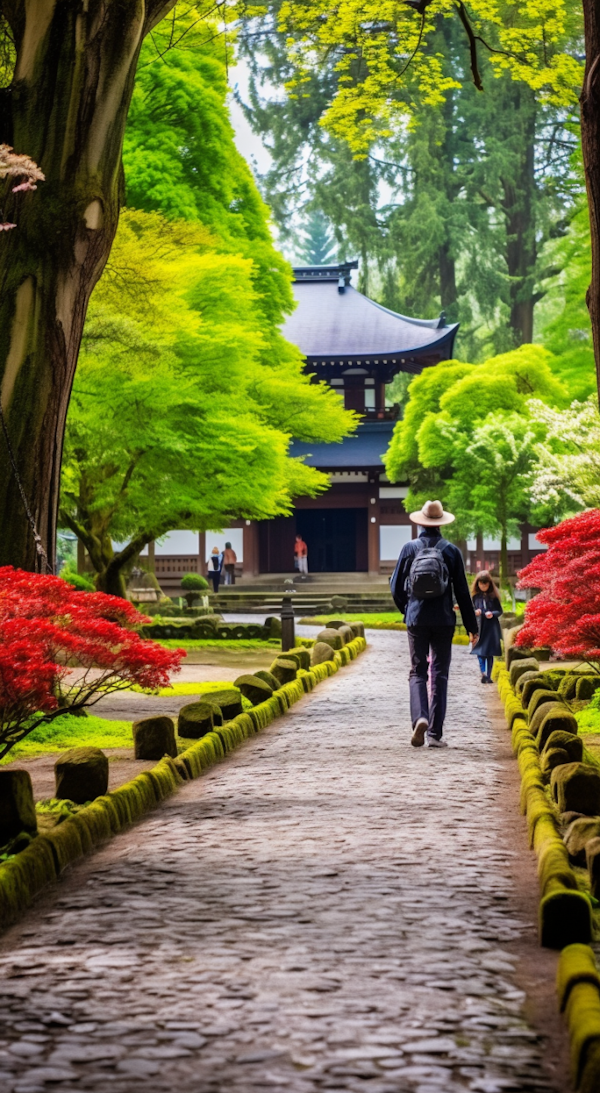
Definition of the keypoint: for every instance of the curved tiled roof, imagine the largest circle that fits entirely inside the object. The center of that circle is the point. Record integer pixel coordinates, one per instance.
(332, 323)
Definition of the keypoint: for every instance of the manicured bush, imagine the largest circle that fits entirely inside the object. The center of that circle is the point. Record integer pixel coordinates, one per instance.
(540, 696)
(45, 628)
(578, 835)
(193, 585)
(519, 667)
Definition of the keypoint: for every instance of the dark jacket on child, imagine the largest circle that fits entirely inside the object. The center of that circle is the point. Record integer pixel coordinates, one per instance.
(489, 629)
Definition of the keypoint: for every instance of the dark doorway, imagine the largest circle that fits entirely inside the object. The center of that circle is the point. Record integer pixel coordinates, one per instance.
(334, 538)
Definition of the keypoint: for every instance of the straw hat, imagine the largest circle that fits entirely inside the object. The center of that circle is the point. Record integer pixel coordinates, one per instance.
(432, 515)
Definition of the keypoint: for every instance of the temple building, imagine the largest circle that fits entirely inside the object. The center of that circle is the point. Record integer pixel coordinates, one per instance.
(359, 524)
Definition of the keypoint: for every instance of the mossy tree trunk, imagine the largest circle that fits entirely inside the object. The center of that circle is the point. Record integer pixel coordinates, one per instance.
(66, 108)
(590, 143)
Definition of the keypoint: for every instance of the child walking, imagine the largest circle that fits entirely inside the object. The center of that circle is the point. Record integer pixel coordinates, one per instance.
(486, 601)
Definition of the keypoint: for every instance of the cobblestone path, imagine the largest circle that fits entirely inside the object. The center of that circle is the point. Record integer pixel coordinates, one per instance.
(328, 910)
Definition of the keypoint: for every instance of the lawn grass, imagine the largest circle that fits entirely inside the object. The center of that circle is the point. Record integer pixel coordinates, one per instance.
(97, 732)
(72, 732)
(222, 645)
(380, 620)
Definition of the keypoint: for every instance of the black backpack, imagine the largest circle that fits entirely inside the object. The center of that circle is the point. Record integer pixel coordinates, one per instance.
(428, 577)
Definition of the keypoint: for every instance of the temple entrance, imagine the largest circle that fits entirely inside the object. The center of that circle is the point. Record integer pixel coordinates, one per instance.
(336, 539)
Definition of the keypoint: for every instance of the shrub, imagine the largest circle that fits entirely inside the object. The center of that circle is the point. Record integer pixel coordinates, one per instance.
(193, 584)
(45, 627)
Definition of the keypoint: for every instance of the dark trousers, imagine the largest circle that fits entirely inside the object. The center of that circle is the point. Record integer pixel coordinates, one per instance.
(430, 653)
(214, 575)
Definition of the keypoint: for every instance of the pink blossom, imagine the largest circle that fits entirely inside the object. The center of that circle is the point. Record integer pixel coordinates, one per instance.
(24, 186)
(6, 227)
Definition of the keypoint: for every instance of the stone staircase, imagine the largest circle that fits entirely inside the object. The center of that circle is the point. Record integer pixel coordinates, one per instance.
(306, 602)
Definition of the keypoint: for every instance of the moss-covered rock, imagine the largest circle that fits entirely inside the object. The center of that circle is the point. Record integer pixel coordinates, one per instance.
(303, 656)
(519, 667)
(553, 757)
(573, 745)
(228, 701)
(320, 653)
(578, 834)
(530, 686)
(273, 625)
(346, 633)
(592, 858)
(536, 719)
(576, 787)
(81, 774)
(335, 624)
(268, 678)
(254, 689)
(525, 677)
(196, 720)
(330, 637)
(17, 806)
(154, 737)
(284, 669)
(557, 720)
(540, 696)
(357, 628)
(565, 917)
(586, 688)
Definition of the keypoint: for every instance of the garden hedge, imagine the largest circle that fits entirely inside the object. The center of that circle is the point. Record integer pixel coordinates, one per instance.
(41, 863)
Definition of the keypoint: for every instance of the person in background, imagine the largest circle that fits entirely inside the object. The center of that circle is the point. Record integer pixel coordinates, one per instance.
(486, 601)
(301, 555)
(429, 574)
(229, 560)
(214, 566)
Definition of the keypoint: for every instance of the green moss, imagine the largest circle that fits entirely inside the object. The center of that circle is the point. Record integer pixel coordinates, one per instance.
(211, 645)
(69, 732)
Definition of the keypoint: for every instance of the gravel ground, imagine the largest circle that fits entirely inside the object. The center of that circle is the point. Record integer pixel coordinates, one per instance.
(329, 909)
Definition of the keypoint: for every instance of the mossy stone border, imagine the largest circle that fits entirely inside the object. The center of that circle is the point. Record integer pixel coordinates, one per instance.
(42, 862)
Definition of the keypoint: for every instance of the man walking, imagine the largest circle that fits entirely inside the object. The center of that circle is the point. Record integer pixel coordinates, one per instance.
(428, 576)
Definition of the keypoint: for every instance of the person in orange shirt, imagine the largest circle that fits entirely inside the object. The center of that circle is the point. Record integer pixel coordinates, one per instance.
(301, 555)
(229, 560)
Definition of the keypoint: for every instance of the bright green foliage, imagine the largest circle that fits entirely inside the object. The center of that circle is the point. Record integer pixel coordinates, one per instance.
(467, 436)
(187, 395)
(183, 404)
(475, 187)
(384, 50)
(568, 335)
(489, 490)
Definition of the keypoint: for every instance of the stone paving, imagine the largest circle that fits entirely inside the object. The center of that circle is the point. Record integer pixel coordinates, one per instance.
(327, 910)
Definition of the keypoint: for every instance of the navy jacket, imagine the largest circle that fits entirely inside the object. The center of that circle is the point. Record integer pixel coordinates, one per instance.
(489, 629)
(438, 611)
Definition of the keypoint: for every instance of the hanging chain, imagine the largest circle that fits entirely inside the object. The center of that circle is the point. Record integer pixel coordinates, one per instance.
(39, 546)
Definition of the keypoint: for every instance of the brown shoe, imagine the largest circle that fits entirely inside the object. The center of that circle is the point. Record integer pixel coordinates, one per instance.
(419, 731)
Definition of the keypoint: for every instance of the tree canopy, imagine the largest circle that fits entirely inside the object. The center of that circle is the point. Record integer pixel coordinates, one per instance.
(187, 395)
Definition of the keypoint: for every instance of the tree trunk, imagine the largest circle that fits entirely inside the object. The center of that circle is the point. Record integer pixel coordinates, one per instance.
(590, 144)
(448, 293)
(66, 108)
(518, 204)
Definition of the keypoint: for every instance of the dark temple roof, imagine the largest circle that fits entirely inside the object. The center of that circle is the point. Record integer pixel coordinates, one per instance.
(334, 324)
(363, 451)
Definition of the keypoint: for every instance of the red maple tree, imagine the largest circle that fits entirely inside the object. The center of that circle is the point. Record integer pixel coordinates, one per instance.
(565, 614)
(46, 630)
